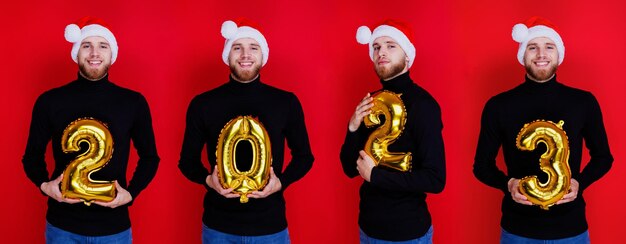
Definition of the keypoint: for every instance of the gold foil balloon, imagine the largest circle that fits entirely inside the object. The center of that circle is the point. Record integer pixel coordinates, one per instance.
(244, 128)
(390, 105)
(554, 162)
(77, 182)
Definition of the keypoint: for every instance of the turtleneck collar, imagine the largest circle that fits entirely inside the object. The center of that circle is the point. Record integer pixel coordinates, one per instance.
(398, 83)
(533, 85)
(84, 83)
(254, 84)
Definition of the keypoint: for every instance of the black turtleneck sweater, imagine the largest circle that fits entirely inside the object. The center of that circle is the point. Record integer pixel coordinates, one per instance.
(281, 114)
(127, 116)
(504, 116)
(393, 204)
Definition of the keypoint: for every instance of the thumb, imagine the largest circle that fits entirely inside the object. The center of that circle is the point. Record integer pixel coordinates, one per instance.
(58, 179)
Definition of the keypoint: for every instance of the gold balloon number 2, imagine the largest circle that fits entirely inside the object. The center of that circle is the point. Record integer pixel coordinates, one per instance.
(244, 128)
(554, 162)
(391, 106)
(77, 182)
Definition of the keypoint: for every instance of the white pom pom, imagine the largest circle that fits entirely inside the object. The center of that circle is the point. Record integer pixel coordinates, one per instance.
(72, 33)
(520, 32)
(363, 35)
(229, 29)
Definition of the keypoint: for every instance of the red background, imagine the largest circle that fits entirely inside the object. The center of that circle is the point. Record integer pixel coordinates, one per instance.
(171, 50)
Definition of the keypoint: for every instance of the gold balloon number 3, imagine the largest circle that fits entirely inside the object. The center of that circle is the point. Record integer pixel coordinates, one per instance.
(77, 182)
(554, 162)
(390, 105)
(244, 128)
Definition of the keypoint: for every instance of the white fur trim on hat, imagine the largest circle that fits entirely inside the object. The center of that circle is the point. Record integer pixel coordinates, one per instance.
(75, 35)
(232, 32)
(390, 31)
(522, 34)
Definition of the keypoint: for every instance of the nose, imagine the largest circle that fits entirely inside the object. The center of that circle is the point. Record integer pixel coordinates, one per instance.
(542, 52)
(93, 52)
(245, 53)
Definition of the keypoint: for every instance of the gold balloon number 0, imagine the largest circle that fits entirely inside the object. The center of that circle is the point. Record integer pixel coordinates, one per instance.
(244, 128)
(390, 105)
(77, 182)
(554, 162)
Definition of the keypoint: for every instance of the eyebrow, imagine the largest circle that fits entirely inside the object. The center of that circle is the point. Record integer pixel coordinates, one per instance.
(241, 44)
(100, 43)
(536, 44)
(387, 42)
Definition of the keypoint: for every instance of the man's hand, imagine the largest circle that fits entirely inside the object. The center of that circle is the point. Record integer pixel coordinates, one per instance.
(272, 186)
(361, 111)
(214, 183)
(51, 188)
(572, 194)
(517, 196)
(122, 197)
(364, 165)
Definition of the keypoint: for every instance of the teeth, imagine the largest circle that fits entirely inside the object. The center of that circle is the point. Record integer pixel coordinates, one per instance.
(541, 63)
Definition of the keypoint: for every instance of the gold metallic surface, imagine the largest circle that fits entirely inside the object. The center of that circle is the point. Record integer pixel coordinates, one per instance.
(554, 162)
(390, 105)
(244, 128)
(77, 182)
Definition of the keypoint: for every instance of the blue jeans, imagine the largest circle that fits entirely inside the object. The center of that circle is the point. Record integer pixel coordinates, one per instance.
(211, 236)
(508, 238)
(425, 239)
(55, 235)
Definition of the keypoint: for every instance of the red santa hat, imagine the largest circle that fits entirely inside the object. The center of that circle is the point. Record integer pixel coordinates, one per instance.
(242, 28)
(397, 30)
(536, 27)
(86, 27)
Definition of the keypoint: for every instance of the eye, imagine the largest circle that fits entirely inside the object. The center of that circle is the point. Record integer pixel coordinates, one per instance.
(236, 48)
(532, 48)
(86, 46)
(104, 46)
(391, 46)
(376, 48)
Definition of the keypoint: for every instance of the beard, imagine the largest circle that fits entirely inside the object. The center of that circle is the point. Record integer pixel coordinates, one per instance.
(93, 74)
(244, 75)
(541, 75)
(386, 73)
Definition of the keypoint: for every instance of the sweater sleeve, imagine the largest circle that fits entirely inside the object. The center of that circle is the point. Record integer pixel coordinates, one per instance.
(489, 143)
(352, 144)
(190, 163)
(38, 137)
(298, 143)
(142, 136)
(598, 145)
(429, 170)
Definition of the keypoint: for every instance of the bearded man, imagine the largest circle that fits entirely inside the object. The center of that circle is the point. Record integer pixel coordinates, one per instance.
(393, 203)
(262, 219)
(541, 97)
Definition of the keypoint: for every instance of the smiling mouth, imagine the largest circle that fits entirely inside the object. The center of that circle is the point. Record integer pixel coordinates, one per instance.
(246, 64)
(94, 62)
(542, 63)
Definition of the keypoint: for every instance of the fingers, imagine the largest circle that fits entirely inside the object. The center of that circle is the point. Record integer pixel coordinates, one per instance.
(214, 183)
(362, 109)
(572, 194)
(272, 186)
(516, 195)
